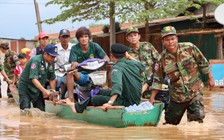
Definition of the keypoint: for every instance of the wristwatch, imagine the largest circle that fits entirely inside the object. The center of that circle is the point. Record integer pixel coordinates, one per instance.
(110, 102)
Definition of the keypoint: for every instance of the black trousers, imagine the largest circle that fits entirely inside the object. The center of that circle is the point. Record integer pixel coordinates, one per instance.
(102, 97)
(26, 97)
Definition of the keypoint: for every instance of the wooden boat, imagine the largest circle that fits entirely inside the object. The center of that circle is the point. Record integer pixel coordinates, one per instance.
(116, 116)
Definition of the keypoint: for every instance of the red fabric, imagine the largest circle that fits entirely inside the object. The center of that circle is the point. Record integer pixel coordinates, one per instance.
(18, 70)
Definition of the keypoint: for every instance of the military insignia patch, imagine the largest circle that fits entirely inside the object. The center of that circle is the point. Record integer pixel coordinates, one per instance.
(33, 66)
(156, 67)
(114, 70)
(91, 56)
(56, 49)
(15, 57)
(168, 28)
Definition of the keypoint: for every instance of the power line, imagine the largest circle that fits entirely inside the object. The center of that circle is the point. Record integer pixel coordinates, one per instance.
(19, 3)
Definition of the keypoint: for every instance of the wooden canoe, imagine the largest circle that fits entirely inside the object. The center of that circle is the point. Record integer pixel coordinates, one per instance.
(115, 116)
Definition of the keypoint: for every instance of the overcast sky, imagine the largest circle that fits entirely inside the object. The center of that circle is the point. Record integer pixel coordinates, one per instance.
(18, 19)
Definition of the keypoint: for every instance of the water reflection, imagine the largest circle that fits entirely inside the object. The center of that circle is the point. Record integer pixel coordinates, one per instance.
(47, 126)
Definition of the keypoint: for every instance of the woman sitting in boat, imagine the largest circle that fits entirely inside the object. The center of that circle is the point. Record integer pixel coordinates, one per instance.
(126, 84)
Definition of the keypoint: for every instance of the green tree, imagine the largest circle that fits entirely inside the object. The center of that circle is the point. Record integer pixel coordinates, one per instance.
(140, 11)
(80, 10)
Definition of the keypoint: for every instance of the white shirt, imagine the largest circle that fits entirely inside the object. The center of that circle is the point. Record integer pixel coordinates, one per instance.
(62, 58)
(33, 52)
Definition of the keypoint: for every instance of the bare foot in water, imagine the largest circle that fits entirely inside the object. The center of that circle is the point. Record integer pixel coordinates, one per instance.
(68, 102)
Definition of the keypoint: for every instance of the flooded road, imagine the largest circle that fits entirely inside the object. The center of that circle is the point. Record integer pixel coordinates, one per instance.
(44, 126)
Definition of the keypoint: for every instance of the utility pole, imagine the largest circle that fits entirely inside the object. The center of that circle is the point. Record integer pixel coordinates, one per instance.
(38, 16)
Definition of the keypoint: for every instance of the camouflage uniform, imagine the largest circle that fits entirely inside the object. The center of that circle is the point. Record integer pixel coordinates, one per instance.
(185, 82)
(147, 55)
(10, 62)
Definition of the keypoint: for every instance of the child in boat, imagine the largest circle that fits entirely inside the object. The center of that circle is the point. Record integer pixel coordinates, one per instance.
(19, 68)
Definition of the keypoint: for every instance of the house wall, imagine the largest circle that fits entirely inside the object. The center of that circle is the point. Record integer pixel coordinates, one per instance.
(17, 45)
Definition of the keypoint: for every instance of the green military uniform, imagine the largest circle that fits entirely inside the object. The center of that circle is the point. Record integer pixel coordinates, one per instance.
(146, 54)
(94, 51)
(185, 82)
(126, 81)
(38, 69)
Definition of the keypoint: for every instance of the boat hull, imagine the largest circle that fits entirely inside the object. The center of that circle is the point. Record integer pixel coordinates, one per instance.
(115, 116)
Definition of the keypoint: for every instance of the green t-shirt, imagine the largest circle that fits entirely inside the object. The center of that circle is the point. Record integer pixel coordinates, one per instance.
(94, 51)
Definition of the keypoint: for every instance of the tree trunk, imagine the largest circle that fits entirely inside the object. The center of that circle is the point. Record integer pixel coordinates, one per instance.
(38, 16)
(146, 31)
(112, 23)
(147, 7)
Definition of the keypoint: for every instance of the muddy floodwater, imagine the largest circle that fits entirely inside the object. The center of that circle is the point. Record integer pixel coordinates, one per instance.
(45, 126)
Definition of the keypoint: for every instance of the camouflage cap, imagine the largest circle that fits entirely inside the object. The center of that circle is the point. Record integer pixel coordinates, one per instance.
(132, 30)
(168, 30)
(4, 45)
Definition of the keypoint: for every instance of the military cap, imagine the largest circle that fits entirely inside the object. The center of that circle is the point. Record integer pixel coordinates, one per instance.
(51, 49)
(64, 32)
(132, 30)
(4, 45)
(119, 50)
(168, 30)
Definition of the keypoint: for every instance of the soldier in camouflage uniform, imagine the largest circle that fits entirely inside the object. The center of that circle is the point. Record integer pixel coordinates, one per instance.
(143, 52)
(181, 62)
(10, 62)
(4, 75)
